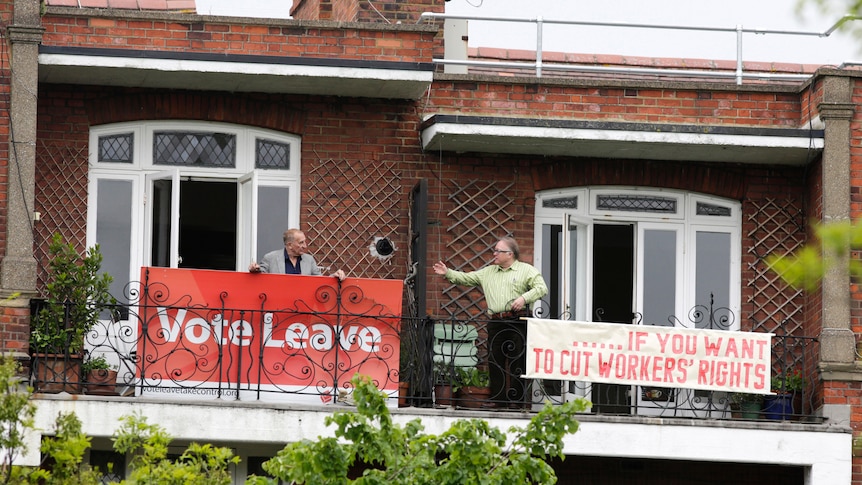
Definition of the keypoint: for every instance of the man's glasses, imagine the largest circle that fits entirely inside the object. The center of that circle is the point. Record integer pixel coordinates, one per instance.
(497, 251)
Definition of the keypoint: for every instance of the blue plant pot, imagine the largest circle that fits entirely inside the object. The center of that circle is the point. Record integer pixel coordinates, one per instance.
(778, 407)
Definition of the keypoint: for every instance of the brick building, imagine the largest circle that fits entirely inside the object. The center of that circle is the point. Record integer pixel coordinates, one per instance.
(640, 194)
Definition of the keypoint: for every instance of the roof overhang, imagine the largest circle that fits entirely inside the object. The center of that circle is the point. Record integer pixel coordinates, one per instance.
(234, 73)
(617, 140)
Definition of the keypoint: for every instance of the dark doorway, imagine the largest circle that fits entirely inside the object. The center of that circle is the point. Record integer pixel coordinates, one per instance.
(613, 280)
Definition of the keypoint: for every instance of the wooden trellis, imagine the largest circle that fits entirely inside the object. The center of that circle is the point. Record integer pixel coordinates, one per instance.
(480, 213)
(777, 229)
(348, 204)
(61, 188)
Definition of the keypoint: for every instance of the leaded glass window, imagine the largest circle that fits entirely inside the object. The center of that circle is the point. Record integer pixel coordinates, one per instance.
(116, 148)
(561, 203)
(194, 149)
(272, 154)
(637, 203)
(704, 209)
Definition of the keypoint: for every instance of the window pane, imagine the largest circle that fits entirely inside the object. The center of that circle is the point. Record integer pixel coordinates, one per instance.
(114, 231)
(573, 273)
(194, 149)
(161, 239)
(659, 281)
(552, 268)
(712, 285)
(272, 218)
(116, 148)
(271, 154)
(636, 203)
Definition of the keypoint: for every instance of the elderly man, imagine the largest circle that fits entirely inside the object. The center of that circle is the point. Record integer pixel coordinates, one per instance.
(292, 259)
(510, 287)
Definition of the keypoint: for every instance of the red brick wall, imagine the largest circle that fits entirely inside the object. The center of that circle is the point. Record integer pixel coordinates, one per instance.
(394, 11)
(380, 11)
(305, 9)
(412, 45)
(14, 329)
(645, 105)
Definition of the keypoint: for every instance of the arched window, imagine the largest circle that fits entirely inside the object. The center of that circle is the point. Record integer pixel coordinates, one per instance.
(639, 255)
(189, 194)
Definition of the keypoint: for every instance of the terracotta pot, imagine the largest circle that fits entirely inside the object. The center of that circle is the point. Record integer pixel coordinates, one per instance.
(102, 382)
(442, 395)
(473, 397)
(403, 394)
(57, 373)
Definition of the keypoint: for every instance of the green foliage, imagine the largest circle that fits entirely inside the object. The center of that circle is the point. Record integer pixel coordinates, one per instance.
(469, 452)
(96, 363)
(792, 381)
(16, 415)
(66, 450)
(471, 377)
(75, 285)
(744, 397)
(806, 268)
(200, 464)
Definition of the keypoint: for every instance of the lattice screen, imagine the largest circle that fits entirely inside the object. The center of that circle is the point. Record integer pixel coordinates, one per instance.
(479, 216)
(778, 228)
(61, 198)
(348, 203)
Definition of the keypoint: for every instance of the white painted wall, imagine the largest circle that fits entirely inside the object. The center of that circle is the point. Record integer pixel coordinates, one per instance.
(826, 450)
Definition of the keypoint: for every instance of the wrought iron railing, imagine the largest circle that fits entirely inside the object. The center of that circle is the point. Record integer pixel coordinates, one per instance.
(308, 353)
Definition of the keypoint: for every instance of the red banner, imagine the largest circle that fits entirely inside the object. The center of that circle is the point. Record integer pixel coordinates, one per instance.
(265, 336)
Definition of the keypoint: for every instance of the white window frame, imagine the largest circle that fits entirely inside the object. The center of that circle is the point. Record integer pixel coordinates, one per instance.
(586, 214)
(141, 166)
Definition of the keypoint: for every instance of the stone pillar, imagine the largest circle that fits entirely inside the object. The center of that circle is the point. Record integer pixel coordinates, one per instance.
(837, 342)
(18, 267)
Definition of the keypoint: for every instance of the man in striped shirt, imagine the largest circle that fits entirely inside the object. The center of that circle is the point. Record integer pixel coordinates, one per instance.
(510, 286)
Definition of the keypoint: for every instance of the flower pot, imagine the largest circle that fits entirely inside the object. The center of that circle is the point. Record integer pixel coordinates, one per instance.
(57, 373)
(442, 395)
(403, 394)
(749, 410)
(778, 407)
(473, 397)
(102, 382)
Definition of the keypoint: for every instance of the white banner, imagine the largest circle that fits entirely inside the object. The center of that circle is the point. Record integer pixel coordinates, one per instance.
(649, 355)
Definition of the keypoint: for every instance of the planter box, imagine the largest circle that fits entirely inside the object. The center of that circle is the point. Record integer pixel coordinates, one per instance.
(53, 373)
(474, 397)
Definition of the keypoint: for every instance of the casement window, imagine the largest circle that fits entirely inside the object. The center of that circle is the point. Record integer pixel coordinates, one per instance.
(189, 194)
(638, 255)
(642, 256)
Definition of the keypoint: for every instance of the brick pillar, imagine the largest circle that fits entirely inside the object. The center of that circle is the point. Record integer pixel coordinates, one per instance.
(837, 341)
(18, 267)
(838, 344)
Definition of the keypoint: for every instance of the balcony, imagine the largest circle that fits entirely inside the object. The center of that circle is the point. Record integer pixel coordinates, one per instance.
(165, 345)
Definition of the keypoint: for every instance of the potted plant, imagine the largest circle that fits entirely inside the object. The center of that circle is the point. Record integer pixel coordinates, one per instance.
(100, 375)
(76, 293)
(471, 386)
(746, 405)
(786, 386)
(443, 384)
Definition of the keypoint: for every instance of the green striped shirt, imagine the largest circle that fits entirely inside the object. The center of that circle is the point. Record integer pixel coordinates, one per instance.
(503, 286)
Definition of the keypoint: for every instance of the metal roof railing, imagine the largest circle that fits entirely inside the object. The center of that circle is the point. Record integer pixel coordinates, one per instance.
(538, 65)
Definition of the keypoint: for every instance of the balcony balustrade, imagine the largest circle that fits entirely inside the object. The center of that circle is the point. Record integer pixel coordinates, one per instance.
(306, 347)
(175, 350)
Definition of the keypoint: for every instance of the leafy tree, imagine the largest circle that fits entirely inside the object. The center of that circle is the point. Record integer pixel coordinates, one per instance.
(469, 452)
(16, 416)
(806, 267)
(843, 10)
(200, 464)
